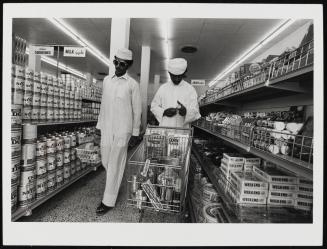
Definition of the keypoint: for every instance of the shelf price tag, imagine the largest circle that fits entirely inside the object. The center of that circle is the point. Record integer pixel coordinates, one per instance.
(43, 50)
(198, 82)
(74, 51)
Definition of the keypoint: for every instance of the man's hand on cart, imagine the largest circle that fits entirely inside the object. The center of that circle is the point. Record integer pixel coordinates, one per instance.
(170, 112)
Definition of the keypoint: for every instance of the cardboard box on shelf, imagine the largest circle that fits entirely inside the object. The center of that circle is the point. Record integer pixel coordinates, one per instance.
(304, 181)
(303, 204)
(281, 194)
(249, 159)
(273, 174)
(280, 201)
(305, 196)
(283, 187)
(247, 180)
(248, 167)
(305, 188)
(233, 158)
(231, 166)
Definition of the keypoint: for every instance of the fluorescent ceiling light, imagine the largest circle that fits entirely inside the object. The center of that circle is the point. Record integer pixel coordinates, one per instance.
(63, 26)
(268, 37)
(60, 65)
(165, 31)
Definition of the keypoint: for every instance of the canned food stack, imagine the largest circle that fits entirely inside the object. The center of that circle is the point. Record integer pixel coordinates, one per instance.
(56, 99)
(50, 99)
(16, 151)
(67, 157)
(27, 184)
(17, 84)
(28, 95)
(36, 101)
(51, 162)
(41, 168)
(19, 51)
(44, 97)
(90, 111)
(73, 143)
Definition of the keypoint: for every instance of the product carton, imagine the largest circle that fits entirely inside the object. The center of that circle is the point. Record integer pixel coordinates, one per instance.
(303, 204)
(248, 167)
(304, 196)
(305, 188)
(274, 175)
(233, 158)
(241, 198)
(247, 180)
(283, 187)
(249, 159)
(282, 194)
(304, 181)
(232, 166)
(280, 201)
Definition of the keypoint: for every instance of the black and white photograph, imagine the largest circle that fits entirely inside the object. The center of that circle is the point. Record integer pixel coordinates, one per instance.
(130, 124)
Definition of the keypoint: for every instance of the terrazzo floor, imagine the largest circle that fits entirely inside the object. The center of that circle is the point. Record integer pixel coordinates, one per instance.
(78, 203)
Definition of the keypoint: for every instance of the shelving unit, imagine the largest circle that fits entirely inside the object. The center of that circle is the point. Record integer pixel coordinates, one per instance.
(292, 164)
(257, 213)
(62, 123)
(26, 211)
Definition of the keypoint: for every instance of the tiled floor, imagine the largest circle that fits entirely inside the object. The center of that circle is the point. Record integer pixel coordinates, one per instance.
(78, 203)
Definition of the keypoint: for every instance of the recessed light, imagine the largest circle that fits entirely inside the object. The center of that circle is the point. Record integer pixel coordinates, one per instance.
(189, 49)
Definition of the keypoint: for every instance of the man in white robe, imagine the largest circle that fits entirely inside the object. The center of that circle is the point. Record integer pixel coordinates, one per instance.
(176, 102)
(119, 121)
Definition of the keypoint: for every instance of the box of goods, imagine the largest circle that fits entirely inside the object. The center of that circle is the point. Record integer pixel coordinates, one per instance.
(303, 181)
(303, 204)
(249, 159)
(240, 198)
(177, 145)
(231, 165)
(233, 158)
(273, 174)
(248, 167)
(280, 187)
(282, 194)
(225, 171)
(280, 201)
(247, 180)
(304, 196)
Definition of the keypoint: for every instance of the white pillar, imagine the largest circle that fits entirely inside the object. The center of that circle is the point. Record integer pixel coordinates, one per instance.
(156, 82)
(119, 38)
(34, 61)
(144, 82)
(89, 79)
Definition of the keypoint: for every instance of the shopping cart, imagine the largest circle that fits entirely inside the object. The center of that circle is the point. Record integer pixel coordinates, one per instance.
(158, 170)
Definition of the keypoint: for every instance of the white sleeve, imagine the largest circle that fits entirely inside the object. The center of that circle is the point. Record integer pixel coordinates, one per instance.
(193, 112)
(137, 109)
(156, 106)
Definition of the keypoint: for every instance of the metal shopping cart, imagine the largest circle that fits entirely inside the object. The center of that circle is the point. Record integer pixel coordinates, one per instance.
(158, 170)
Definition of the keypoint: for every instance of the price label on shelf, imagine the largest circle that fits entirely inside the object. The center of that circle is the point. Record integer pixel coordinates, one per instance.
(74, 51)
(43, 50)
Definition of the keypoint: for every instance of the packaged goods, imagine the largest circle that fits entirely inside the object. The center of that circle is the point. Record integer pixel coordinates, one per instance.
(304, 181)
(283, 187)
(232, 166)
(247, 180)
(249, 159)
(303, 204)
(233, 158)
(280, 201)
(248, 167)
(304, 195)
(155, 142)
(177, 145)
(152, 194)
(282, 194)
(273, 174)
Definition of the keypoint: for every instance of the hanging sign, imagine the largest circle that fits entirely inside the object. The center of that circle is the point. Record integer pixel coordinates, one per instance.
(43, 50)
(74, 51)
(198, 82)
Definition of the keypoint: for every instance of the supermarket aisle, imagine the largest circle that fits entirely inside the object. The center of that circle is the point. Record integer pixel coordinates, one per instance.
(78, 203)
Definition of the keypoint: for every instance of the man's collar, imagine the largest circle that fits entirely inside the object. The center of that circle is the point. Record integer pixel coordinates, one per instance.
(125, 76)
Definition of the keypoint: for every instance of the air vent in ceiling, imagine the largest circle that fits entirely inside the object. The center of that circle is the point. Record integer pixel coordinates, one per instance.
(189, 49)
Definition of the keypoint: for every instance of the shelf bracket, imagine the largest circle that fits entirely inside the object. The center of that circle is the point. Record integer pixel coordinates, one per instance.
(288, 86)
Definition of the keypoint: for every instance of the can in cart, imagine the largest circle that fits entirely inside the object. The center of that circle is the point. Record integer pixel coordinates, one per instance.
(41, 186)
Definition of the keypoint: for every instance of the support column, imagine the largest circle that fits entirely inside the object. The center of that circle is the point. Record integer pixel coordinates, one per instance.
(144, 83)
(34, 61)
(156, 82)
(119, 38)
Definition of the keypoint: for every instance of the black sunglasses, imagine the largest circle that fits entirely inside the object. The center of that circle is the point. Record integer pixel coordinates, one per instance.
(120, 63)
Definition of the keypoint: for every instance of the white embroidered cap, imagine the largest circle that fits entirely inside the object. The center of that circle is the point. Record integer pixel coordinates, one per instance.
(177, 66)
(124, 54)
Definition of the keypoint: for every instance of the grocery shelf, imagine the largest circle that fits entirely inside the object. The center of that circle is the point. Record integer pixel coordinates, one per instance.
(227, 139)
(295, 165)
(255, 213)
(61, 123)
(298, 81)
(26, 211)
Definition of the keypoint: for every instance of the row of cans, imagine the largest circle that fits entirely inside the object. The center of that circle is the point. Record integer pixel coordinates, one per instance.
(43, 100)
(34, 187)
(43, 114)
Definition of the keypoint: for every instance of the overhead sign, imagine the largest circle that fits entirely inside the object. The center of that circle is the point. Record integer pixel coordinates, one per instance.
(43, 50)
(198, 82)
(74, 51)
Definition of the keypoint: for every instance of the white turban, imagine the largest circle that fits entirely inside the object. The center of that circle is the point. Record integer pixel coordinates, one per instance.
(124, 54)
(177, 66)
